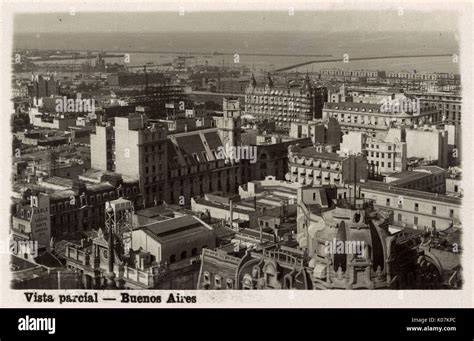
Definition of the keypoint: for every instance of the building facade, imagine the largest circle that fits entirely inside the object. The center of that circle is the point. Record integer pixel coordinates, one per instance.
(308, 166)
(414, 209)
(284, 105)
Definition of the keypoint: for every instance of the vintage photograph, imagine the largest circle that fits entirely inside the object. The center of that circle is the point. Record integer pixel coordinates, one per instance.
(236, 149)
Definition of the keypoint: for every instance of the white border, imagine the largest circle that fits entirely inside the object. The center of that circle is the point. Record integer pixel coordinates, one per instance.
(264, 299)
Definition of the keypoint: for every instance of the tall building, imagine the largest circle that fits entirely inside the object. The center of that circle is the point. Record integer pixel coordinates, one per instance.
(284, 104)
(134, 148)
(43, 86)
(373, 118)
(435, 152)
(383, 157)
(171, 167)
(103, 148)
(229, 124)
(141, 153)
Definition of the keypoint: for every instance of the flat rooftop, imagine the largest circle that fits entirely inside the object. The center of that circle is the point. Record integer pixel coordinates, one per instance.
(388, 188)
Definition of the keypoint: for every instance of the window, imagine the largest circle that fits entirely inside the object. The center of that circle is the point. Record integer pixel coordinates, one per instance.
(172, 258)
(433, 223)
(399, 218)
(456, 188)
(184, 255)
(387, 202)
(207, 277)
(433, 210)
(416, 207)
(217, 282)
(451, 213)
(229, 283)
(415, 220)
(389, 165)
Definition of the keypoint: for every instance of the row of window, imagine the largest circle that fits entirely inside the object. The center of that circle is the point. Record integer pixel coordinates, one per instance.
(184, 255)
(382, 155)
(380, 164)
(416, 207)
(415, 220)
(152, 148)
(218, 281)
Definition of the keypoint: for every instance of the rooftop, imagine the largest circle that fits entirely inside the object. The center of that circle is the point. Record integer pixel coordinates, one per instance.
(388, 188)
(312, 152)
(176, 228)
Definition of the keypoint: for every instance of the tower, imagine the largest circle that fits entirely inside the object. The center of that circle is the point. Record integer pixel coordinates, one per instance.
(118, 221)
(229, 123)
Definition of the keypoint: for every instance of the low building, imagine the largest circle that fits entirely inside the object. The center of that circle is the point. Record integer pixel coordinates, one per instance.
(278, 203)
(173, 240)
(412, 208)
(309, 166)
(425, 178)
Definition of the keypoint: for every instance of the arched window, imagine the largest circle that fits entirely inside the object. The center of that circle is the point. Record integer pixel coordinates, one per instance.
(217, 282)
(247, 282)
(288, 282)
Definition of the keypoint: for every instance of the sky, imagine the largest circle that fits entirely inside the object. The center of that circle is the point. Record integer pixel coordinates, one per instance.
(321, 21)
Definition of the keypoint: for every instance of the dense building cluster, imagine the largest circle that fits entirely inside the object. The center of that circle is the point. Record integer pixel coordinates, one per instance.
(214, 177)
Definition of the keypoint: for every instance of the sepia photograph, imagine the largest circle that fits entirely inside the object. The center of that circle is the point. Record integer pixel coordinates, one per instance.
(236, 150)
